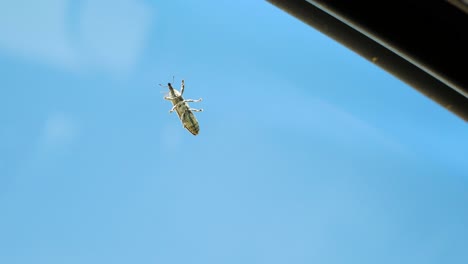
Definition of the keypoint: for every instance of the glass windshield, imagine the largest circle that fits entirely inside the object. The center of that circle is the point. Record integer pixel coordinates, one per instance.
(306, 152)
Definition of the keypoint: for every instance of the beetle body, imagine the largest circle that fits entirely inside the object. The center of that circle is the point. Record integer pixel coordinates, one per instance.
(183, 110)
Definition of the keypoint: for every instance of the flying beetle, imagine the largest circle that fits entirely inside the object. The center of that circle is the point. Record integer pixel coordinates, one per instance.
(182, 108)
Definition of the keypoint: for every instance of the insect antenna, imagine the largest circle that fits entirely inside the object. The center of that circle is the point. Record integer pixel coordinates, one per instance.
(164, 92)
(167, 86)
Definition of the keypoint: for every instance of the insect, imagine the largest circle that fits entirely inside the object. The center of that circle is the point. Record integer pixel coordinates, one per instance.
(182, 108)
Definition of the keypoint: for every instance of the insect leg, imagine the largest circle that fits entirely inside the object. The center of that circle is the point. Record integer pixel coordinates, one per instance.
(184, 101)
(192, 101)
(176, 105)
(182, 87)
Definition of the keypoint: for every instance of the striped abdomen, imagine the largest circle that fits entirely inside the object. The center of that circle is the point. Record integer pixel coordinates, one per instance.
(188, 119)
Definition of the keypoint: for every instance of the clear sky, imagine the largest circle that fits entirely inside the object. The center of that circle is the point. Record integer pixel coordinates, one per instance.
(307, 153)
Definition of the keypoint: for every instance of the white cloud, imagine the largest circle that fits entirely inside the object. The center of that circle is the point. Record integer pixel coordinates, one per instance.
(347, 128)
(109, 35)
(59, 130)
(36, 29)
(322, 119)
(113, 32)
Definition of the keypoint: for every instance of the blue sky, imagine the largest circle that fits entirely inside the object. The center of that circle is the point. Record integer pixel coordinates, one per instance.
(308, 156)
